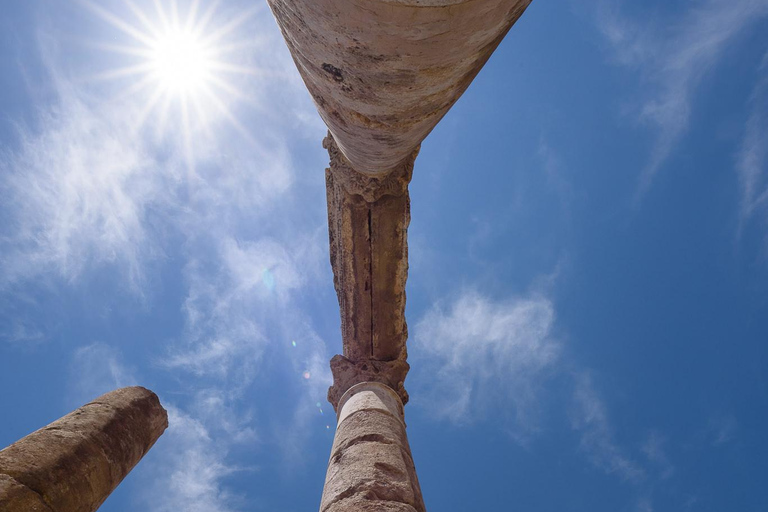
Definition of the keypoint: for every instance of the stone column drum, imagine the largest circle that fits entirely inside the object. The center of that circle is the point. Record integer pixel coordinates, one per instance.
(74, 464)
(371, 468)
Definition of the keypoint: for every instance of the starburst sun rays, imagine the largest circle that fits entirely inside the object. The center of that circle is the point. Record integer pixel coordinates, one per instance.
(179, 60)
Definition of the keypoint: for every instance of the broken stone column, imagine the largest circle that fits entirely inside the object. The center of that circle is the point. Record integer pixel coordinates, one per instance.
(371, 468)
(74, 464)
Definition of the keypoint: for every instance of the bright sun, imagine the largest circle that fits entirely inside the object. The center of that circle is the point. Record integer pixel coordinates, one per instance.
(181, 62)
(178, 61)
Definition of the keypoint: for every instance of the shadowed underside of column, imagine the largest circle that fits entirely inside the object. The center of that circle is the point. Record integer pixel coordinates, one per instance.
(384, 72)
(74, 464)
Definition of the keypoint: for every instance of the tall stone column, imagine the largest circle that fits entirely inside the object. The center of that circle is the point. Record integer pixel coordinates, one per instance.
(74, 464)
(371, 468)
(382, 74)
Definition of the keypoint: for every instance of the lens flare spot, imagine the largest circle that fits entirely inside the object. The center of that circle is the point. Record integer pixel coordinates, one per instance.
(293, 343)
(306, 375)
(268, 279)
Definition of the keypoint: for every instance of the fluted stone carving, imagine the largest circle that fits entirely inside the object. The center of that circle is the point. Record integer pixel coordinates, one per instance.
(368, 219)
(74, 464)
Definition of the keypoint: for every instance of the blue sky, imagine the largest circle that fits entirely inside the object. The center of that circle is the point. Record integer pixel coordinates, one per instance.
(588, 260)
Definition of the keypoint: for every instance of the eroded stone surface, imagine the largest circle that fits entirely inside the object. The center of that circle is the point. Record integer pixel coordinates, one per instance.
(74, 463)
(384, 72)
(368, 221)
(371, 467)
(15, 497)
(347, 373)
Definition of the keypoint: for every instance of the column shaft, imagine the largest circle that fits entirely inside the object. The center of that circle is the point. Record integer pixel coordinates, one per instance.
(368, 219)
(371, 468)
(74, 464)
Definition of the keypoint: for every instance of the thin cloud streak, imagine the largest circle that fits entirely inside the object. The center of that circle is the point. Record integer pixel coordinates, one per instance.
(674, 60)
(655, 452)
(481, 354)
(189, 469)
(233, 297)
(76, 200)
(752, 159)
(590, 418)
(96, 369)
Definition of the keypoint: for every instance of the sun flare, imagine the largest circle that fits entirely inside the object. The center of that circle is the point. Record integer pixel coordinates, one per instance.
(178, 56)
(181, 63)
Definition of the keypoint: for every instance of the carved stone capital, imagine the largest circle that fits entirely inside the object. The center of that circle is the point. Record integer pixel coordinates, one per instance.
(347, 373)
(370, 187)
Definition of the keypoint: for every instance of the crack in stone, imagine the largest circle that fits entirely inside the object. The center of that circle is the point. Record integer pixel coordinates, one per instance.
(370, 272)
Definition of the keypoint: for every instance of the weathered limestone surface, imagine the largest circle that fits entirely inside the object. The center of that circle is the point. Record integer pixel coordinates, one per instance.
(384, 72)
(368, 219)
(73, 464)
(371, 468)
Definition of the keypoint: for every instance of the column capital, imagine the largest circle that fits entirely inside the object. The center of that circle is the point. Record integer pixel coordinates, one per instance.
(371, 187)
(348, 373)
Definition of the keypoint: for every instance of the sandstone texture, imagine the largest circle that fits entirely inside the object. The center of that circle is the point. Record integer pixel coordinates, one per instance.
(73, 464)
(384, 72)
(368, 221)
(371, 468)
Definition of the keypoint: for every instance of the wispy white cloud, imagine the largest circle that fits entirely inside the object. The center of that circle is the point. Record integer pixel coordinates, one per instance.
(237, 303)
(673, 59)
(644, 505)
(78, 193)
(97, 369)
(243, 305)
(16, 325)
(481, 358)
(480, 352)
(590, 418)
(189, 469)
(656, 454)
(752, 160)
(721, 429)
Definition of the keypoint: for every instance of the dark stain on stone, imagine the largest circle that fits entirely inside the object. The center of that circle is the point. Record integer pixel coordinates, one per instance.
(333, 71)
